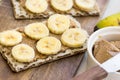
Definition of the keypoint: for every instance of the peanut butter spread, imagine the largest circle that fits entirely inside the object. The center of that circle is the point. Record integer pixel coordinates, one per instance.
(104, 50)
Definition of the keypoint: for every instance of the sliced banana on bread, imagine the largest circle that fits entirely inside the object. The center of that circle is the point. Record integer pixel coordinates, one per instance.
(36, 6)
(58, 23)
(10, 37)
(85, 5)
(74, 37)
(62, 5)
(36, 30)
(23, 53)
(48, 45)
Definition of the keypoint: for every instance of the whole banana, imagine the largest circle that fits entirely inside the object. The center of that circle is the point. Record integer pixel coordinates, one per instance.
(113, 20)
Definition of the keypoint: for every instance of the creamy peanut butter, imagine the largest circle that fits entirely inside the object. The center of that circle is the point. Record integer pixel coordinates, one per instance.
(104, 50)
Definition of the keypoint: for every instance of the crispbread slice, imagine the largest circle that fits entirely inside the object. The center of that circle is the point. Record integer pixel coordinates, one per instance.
(39, 58)
(21, 13)
(17, 66)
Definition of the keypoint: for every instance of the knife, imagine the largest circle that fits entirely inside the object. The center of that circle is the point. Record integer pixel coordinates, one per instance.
(99, 72)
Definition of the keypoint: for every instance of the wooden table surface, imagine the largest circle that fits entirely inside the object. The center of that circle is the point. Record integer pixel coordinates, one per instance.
(63, 69)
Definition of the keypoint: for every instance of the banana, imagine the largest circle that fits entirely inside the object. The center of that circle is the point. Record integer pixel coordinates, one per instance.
(23, 53)
(57, 23)
(10, 37)
(112, 20)
(48, 45)
(85, 5)
(36, 6)
(36, 30)
(74, 37)
(62, 5)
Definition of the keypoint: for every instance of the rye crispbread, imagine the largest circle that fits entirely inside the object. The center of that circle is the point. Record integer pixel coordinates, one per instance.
(20, 12)
(39, 58)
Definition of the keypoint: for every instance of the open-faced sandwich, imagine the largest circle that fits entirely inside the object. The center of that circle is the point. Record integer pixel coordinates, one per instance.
(29, 9)
(41, 42)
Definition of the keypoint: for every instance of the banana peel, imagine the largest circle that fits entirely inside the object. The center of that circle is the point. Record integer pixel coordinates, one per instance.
(113, 20)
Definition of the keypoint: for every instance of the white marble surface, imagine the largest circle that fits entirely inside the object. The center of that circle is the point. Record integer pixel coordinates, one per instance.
(112, 8)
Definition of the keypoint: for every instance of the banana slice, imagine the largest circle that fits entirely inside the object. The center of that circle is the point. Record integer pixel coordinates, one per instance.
(85, 5)
(48, 45)
(57, 23)
(23, 53)
(36, 6)
(62, 5)
(10, 37)
(74, 37)
(36, 30)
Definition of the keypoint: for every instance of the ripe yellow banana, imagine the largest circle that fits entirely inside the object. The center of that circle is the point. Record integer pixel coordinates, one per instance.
(48, 45)
(10, 37)
(85, 5)
(57, 23)
(36, 6)
(62, 5)
(74, 37)
(113, 20)
(36, 30)
(23, 53)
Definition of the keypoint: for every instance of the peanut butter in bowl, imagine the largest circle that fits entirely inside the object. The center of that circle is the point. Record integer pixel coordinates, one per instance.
(104, 50)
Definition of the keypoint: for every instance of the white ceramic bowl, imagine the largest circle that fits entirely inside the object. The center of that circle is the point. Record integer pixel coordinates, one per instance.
(110, 34)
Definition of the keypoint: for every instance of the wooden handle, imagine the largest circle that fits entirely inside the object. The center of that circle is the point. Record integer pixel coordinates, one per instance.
(95, 73)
